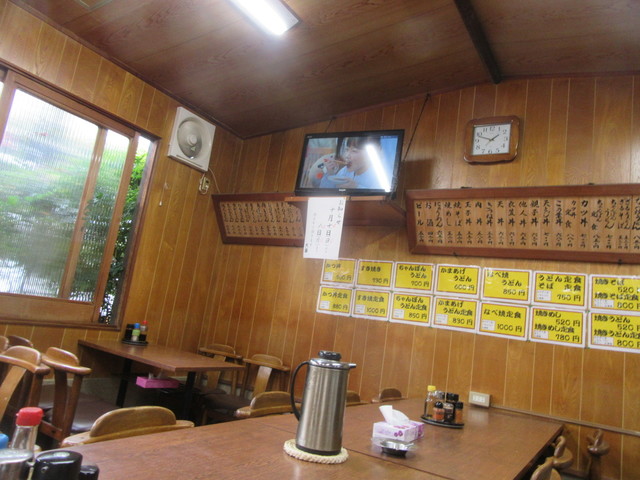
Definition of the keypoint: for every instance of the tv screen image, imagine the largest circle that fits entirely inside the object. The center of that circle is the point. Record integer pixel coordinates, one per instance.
(350, 163)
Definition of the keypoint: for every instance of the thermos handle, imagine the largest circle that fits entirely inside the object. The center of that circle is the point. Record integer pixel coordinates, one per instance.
(292, 389)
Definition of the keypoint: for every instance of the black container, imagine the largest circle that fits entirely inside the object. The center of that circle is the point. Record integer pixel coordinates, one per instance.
(128, 331)
(57, 465)
(89, 472)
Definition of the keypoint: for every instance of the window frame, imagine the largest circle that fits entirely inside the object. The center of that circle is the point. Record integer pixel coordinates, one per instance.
(37, 310)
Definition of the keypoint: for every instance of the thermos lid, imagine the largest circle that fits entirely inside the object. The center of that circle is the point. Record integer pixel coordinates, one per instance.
(330, 360)
(327, 355)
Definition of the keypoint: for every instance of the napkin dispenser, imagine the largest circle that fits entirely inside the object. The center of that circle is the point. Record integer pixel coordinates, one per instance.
(157, 382)
(397, 426)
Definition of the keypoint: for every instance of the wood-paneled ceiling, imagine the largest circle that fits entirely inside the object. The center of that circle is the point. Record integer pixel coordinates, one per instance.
(345, 55)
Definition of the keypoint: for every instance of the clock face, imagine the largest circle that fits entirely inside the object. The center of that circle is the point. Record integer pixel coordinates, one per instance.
(491, 139)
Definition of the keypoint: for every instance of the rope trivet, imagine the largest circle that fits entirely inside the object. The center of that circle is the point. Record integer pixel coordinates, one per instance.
(295, 452)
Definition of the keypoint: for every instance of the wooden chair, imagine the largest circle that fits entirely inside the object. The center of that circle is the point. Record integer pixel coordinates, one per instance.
(266, 403)
(222, 406)
(128, 422)
(353, 398)
(4, 343)
(562, 456)
(22, 379)
(597, 447)
(546, 471)
(224, 353)
(387, 395)
(18, 341)
(66, 414)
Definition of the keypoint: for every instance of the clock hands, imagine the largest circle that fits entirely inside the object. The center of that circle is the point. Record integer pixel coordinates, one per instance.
(487, 138)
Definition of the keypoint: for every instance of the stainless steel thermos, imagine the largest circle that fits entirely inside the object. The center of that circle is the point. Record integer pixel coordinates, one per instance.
(323, 404)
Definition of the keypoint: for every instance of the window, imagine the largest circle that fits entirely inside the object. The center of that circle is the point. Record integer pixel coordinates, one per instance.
(69, 183)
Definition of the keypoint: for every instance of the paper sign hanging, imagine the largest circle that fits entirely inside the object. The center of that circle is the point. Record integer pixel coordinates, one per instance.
(340, 271)
(413, 276)
(615, 331)
(411, 308)
(373, 304)
(334, 300)
(458, 280)
(455, 313)
(325, 216)
(503, 320)
(615, 293)
(510, 285)
(374, 274)
(562, 327)
(555, 288)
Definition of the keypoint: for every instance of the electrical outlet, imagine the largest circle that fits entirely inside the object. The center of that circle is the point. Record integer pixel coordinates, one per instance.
(480, 399)
(203, 187)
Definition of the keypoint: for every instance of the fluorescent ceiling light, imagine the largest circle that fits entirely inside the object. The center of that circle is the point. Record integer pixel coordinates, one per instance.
(270, 15)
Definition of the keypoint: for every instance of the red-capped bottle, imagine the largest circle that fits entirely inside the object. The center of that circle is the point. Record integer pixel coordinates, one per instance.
(24, 438)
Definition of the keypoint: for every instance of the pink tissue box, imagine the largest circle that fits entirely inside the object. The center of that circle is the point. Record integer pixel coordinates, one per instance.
(404, 433)
(146, 382)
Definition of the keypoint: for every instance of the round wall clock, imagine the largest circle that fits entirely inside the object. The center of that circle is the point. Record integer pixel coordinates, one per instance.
(492, 139)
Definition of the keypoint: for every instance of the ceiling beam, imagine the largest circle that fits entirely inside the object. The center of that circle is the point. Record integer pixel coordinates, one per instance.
(479, 39)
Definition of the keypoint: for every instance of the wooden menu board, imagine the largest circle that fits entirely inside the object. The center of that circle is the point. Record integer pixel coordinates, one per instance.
(591, 223)
(260, 218)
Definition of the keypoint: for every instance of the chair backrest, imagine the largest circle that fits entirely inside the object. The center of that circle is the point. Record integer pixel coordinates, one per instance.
(597, 447)
(16, 340)
(4, 343)
(128, 422)
(562, 456)
(23, 375)
(265, 364)
(266, 403)
(224, 353)
(387, 395)
(64, 364)
(353, 398)
(546, 471)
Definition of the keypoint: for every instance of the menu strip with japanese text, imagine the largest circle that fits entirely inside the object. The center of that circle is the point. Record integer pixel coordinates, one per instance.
(592, 223)
(261, 219)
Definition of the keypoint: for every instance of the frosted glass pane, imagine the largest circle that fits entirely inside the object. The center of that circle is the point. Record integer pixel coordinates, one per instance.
(98, 216)
(44, 159)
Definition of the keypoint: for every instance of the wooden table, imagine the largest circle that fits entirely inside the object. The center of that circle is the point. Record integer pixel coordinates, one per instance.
(168, 359)
(240, 450)
(492, 445)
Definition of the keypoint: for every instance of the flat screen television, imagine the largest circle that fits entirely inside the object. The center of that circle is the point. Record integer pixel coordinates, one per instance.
(350, 163)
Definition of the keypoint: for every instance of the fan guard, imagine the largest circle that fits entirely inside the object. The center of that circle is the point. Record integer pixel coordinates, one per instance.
(191, 140)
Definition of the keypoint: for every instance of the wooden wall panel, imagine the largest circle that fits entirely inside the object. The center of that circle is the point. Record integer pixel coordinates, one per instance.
(537, 113)
(560, 117)
(519, 374)
(195, 290)
(635, 132)
(167, 281)
(423, 360)
(460, 374)
(554, 162)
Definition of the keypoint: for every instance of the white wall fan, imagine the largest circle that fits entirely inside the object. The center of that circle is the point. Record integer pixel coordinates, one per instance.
(191, 139)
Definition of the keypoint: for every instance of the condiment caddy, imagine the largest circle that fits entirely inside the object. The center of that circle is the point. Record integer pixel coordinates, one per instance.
(136, 334)
(443, 409)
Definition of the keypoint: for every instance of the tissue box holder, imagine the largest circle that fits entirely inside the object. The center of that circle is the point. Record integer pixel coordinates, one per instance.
(403, 433)
(146, 382)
